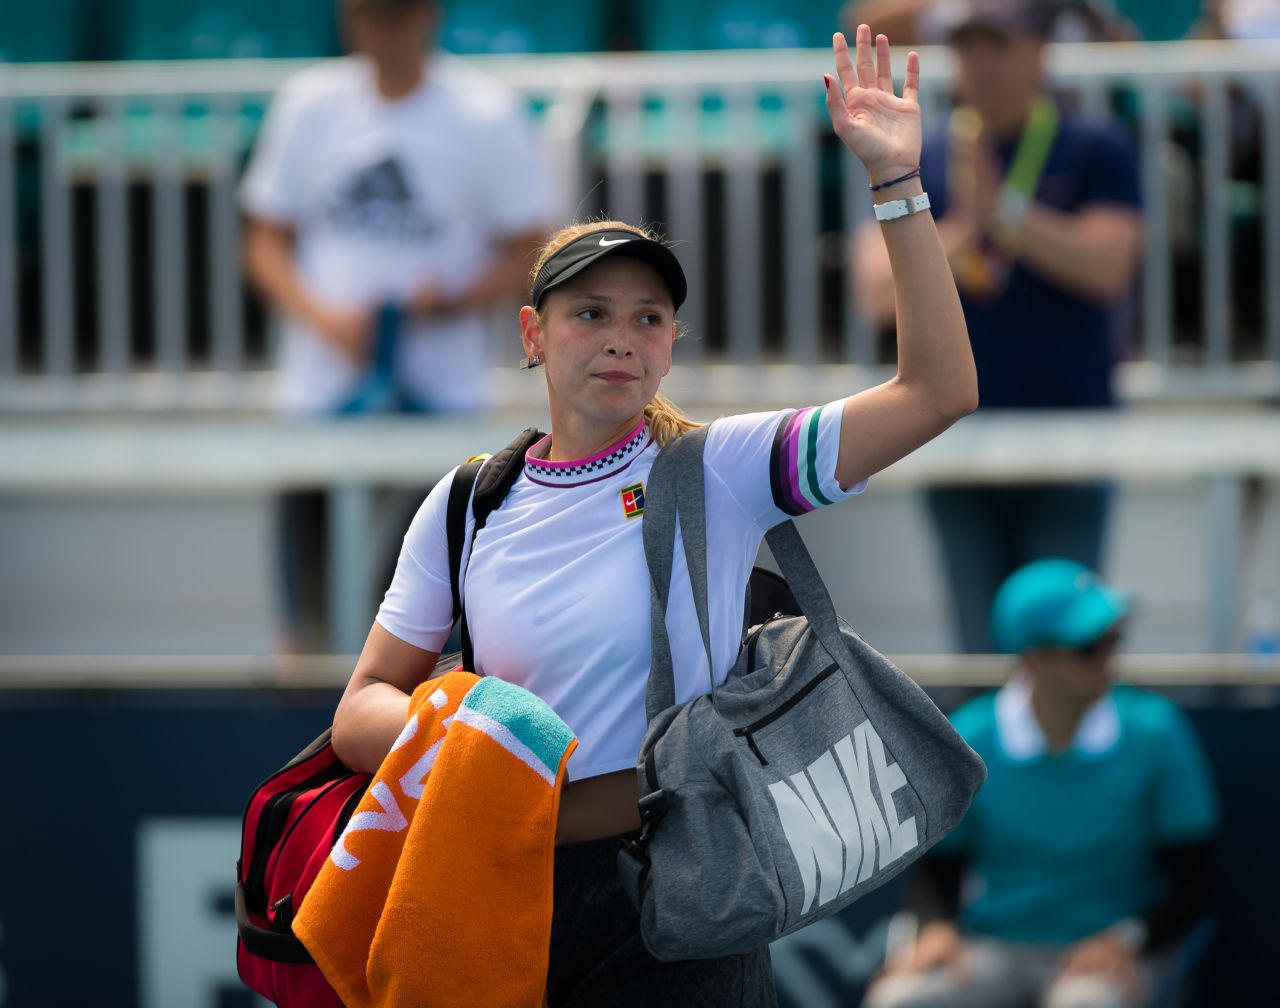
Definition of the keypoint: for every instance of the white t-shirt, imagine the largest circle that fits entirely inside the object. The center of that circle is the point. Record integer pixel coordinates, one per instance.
(387, 196)
(1251, 19)
(557, 590)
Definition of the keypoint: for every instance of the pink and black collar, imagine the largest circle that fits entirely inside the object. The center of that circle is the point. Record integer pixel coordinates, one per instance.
(578, 472)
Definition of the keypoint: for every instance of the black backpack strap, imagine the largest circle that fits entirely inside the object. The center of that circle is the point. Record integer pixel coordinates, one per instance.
(455, 522)
(500, 474)
(491, 477)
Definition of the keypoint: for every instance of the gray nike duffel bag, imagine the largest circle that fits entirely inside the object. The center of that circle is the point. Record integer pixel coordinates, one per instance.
(816, 772)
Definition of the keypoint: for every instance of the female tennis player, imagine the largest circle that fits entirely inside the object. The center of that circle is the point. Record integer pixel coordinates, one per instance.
(555, 584)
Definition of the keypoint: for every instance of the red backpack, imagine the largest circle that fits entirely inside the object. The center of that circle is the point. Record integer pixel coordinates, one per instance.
(292, 821)
(295, 816)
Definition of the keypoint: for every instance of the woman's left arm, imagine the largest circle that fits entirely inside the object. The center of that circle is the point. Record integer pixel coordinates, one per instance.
(936, 382)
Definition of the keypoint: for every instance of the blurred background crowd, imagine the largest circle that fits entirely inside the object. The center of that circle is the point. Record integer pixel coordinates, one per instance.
(259, 270)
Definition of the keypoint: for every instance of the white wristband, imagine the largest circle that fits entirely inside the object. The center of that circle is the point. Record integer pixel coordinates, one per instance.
(894, 209)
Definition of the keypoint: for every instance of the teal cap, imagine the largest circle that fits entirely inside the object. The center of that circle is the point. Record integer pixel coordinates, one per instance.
(1054, 603)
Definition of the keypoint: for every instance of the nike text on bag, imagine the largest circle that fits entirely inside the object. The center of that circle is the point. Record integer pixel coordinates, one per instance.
(815, 773)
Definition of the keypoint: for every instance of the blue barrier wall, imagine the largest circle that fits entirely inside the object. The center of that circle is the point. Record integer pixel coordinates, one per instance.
(122, 829)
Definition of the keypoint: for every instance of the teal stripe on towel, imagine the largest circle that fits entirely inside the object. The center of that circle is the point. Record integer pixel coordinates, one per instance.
(527, 717)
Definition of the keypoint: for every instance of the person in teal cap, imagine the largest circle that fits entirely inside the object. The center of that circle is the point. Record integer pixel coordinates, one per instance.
(1087, 856)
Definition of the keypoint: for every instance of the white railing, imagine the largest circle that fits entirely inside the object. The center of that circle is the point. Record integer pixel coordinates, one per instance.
(119, 275)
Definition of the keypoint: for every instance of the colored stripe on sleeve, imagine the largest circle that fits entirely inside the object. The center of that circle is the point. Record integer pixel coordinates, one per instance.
(812, 481)
(780, 469)
(793, 467)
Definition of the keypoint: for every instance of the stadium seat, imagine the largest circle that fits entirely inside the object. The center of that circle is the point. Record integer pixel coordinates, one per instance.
(736, 24)
(200, 29)
(49, 31)
(510, 26)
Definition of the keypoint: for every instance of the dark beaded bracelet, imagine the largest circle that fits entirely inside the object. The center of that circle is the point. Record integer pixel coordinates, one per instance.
(901, 178)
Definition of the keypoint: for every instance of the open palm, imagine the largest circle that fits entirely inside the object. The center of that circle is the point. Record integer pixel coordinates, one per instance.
(882, 129)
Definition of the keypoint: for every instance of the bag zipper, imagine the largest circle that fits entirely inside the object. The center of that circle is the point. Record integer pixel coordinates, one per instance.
(753, 637)
(297, 820)
(748, 732)
(348, 809)
(284, 840)
(274, 812)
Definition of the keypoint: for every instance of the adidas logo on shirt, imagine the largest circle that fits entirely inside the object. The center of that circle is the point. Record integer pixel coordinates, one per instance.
(377, 203)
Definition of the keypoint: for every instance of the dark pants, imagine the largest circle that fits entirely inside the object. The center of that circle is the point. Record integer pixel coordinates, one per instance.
(985, 533)
(598, 959)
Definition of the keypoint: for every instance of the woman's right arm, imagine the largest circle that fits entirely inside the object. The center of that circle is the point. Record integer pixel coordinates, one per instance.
(873, 275)
(936, 382)
(375, 704)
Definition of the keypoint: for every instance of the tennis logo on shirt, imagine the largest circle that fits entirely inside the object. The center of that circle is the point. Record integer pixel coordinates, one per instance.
(633, 500)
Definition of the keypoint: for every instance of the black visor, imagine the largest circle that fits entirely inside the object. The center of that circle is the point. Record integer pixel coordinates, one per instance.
(582, 252)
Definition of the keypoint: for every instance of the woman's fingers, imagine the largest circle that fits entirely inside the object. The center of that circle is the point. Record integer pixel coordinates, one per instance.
(871, 65)
(911, 85)
(865, 65)
(844, 62)
(884, 72)
(835, 104)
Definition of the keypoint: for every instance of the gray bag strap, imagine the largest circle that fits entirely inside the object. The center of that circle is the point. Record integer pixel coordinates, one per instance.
(677, 489)
(659, 531)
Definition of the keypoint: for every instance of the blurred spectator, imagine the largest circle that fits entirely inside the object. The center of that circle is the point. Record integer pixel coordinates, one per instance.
(907, 22)
(397, 194)
(1242, 19)
(1089, 849)
(1039, 212)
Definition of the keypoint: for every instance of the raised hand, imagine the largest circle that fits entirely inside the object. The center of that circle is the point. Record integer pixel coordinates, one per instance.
(882, 129)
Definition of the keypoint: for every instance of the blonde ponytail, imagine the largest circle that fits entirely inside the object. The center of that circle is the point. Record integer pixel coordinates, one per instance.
(665, 421)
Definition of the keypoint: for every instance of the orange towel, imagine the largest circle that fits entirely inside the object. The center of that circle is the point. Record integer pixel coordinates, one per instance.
(439, 890)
